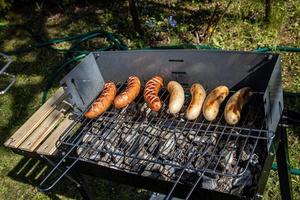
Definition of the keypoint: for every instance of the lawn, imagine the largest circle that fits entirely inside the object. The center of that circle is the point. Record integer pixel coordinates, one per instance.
(241, 28)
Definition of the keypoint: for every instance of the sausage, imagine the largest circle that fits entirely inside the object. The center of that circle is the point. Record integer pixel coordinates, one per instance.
(235, 105)
(213, 101)
(131, 91)
(151, 97)
(198, 95)
(176, 96)
(103, 101)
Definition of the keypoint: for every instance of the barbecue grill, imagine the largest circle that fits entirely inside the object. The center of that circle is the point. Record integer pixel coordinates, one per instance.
(166, 153)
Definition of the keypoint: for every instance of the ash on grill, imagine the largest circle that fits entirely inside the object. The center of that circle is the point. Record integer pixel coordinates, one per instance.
(161, 146)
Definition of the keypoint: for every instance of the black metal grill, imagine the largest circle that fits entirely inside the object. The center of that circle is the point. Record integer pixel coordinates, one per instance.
(169, 147)
(198, 157)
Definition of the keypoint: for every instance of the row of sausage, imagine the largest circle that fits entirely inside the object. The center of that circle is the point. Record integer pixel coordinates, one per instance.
(200, 102)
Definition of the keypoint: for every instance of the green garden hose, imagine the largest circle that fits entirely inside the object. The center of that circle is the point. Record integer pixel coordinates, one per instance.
(292, 171)
(278, 48)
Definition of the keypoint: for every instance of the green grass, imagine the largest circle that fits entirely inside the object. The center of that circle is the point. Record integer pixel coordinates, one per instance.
(241, 28)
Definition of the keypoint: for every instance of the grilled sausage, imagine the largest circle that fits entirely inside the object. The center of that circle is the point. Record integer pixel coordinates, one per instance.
(103, 101)
(131, 91)
(198, 95)
(176, 96)
(151, 97)
(235, 105)
(213, 101)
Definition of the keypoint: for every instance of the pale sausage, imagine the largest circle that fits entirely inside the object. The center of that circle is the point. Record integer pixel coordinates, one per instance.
(176, 96)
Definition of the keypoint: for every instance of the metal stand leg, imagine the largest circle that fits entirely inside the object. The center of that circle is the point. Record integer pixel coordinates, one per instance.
(76, 178)
(283, 166)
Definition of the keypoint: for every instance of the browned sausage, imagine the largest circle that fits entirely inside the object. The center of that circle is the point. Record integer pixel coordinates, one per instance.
(131, 91)
(213, 101)
(198, 95)
(103, 101)
(235, 105)
(151, 97)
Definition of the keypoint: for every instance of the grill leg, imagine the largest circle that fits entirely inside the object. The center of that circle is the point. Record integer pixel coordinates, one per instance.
(283, 166)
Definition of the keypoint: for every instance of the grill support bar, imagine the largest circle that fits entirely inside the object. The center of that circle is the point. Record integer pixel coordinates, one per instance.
(282, 157)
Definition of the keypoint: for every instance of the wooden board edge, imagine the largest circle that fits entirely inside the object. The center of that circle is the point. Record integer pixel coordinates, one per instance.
(16, 139)
(48, 147)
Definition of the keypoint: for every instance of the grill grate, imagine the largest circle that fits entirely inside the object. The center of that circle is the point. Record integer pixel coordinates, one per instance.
(161, 145)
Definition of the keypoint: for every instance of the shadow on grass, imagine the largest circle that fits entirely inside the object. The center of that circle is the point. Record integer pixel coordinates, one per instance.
(32, 171)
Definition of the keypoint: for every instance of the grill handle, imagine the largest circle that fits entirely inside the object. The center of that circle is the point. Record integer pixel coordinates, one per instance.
(44, 187)
(2, 72)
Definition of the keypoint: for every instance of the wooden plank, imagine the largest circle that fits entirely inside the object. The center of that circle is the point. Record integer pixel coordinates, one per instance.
(39, 134)
(35, 120)
(49, 146)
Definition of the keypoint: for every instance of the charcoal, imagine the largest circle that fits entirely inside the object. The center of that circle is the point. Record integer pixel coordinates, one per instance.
(180, 139)
(111, 134)
(190, 135)
(231, 145)
(103, 162)
(145, 110)
(254, 160)
(199, 162)
(97, 124)
(246, 152)
(128, 161)
(94, 155)
(179, 156)
(80, 150)
(168, 172)
(152, 170)
(117, 159)
(188, 176)
(143, 141)
(127, 139)
(206, 139)
(224, 184)
(150, 129)
(244, 179)
(167, 148)
(141, 158)
(152, 146)
(210, 150)
(88, 138)
(229, 158)
(153, 167)
(209, 183)
(95, 130)
(197, 140)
